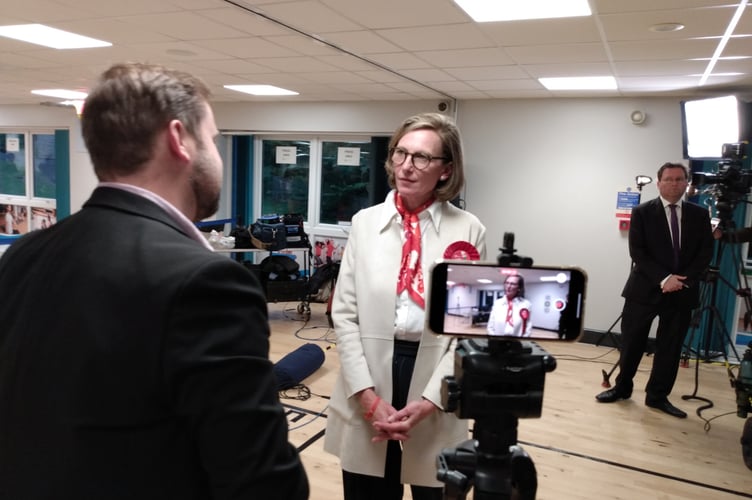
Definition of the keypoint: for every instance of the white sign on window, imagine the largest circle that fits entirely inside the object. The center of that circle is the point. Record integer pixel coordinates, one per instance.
(12, 145)
(348, 156)
(287, 155)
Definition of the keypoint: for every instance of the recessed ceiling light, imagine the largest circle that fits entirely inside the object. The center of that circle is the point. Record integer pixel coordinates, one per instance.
(666, 27)
(61, 93)
(50, 37)
(485, 11)
(260, 89)
(579, 83)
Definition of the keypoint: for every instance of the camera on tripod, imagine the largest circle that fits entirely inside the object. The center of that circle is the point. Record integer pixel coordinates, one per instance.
(499, 373)
(730, 183)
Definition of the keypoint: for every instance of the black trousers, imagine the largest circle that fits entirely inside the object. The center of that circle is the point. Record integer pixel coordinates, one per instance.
(673, 322)
(389, 487)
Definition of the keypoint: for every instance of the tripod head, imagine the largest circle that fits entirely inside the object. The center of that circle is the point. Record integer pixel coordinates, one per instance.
(495, 382)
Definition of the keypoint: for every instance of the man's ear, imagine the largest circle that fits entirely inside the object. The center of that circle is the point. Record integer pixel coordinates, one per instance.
(177, 136)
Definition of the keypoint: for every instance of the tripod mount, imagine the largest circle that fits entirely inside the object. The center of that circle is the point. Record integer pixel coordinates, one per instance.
(495, 382)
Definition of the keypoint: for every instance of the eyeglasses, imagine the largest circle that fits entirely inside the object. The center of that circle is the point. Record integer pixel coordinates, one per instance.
(420, 160)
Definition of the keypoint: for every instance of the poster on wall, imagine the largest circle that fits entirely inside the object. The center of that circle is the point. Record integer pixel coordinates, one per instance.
(327, 249)
(13, 223)
(42, 218)
(17, 220)
(14, 219)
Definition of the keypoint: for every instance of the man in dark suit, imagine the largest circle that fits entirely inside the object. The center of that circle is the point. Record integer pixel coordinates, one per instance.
(668, 261)
(133, 360)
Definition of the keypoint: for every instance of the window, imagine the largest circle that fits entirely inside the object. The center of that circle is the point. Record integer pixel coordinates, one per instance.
(27, 181)
(45, 167)
(345, 168)
(324, 179)
(13, 164)
(285, 176)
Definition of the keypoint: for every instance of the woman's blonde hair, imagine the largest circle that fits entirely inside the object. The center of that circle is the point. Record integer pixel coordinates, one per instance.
(451, 141)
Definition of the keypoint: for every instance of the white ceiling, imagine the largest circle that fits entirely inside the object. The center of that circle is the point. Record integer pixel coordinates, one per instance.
(381, 50)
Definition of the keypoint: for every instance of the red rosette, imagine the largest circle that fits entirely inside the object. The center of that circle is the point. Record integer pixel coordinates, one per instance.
(461, 250)
(524, 314)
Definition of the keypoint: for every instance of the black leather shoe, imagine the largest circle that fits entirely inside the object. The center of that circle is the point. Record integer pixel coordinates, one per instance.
(612, 395)
(666, 407)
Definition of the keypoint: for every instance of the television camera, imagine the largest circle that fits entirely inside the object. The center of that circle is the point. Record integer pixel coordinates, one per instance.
(730, 184)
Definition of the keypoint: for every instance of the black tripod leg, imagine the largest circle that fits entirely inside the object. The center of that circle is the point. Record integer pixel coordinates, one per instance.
(607, 376)
(610, 334)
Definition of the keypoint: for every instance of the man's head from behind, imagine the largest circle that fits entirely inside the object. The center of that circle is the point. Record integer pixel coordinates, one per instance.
(129, 106)
(142, 120)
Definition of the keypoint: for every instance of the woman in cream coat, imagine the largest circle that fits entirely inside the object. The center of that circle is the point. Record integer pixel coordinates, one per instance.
(380, 402)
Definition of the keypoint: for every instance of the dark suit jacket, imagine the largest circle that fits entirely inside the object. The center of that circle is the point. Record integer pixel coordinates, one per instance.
(652, 254)
(134, 365)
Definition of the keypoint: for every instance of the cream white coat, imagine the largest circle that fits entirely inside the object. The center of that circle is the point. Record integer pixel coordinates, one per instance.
(363, 312)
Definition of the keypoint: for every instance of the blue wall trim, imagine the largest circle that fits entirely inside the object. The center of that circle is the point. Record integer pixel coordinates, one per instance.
(63, 174)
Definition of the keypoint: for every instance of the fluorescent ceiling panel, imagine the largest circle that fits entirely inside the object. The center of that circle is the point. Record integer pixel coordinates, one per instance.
(61, 93)
(50, 37)
(260, 89)
(579, 83)
(487, 11)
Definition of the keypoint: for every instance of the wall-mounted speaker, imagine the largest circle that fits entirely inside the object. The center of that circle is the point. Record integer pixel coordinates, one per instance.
(638, 117)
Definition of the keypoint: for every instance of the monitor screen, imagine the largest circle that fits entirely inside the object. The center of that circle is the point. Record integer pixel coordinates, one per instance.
(707, 124)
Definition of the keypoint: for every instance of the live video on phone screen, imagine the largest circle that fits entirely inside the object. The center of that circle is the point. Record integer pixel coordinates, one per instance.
(493, 301)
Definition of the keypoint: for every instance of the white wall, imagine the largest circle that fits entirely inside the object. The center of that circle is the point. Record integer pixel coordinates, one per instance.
(547, 170)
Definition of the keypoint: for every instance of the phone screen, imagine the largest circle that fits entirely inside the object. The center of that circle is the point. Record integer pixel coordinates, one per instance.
(476, 299)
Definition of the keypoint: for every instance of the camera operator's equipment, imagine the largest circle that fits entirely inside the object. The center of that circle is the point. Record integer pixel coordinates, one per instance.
(729, 185)
(714, 322)
(495, 382)
(607, 374)
(743, 386)
(641, 181)
(508, 257)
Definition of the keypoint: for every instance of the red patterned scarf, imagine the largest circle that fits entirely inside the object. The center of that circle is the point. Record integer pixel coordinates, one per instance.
(411, 274)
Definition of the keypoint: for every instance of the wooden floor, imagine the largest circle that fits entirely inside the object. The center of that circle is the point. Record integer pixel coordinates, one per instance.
(581, 449)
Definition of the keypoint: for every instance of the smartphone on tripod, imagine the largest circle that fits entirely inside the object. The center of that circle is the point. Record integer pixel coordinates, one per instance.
(534, 303)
